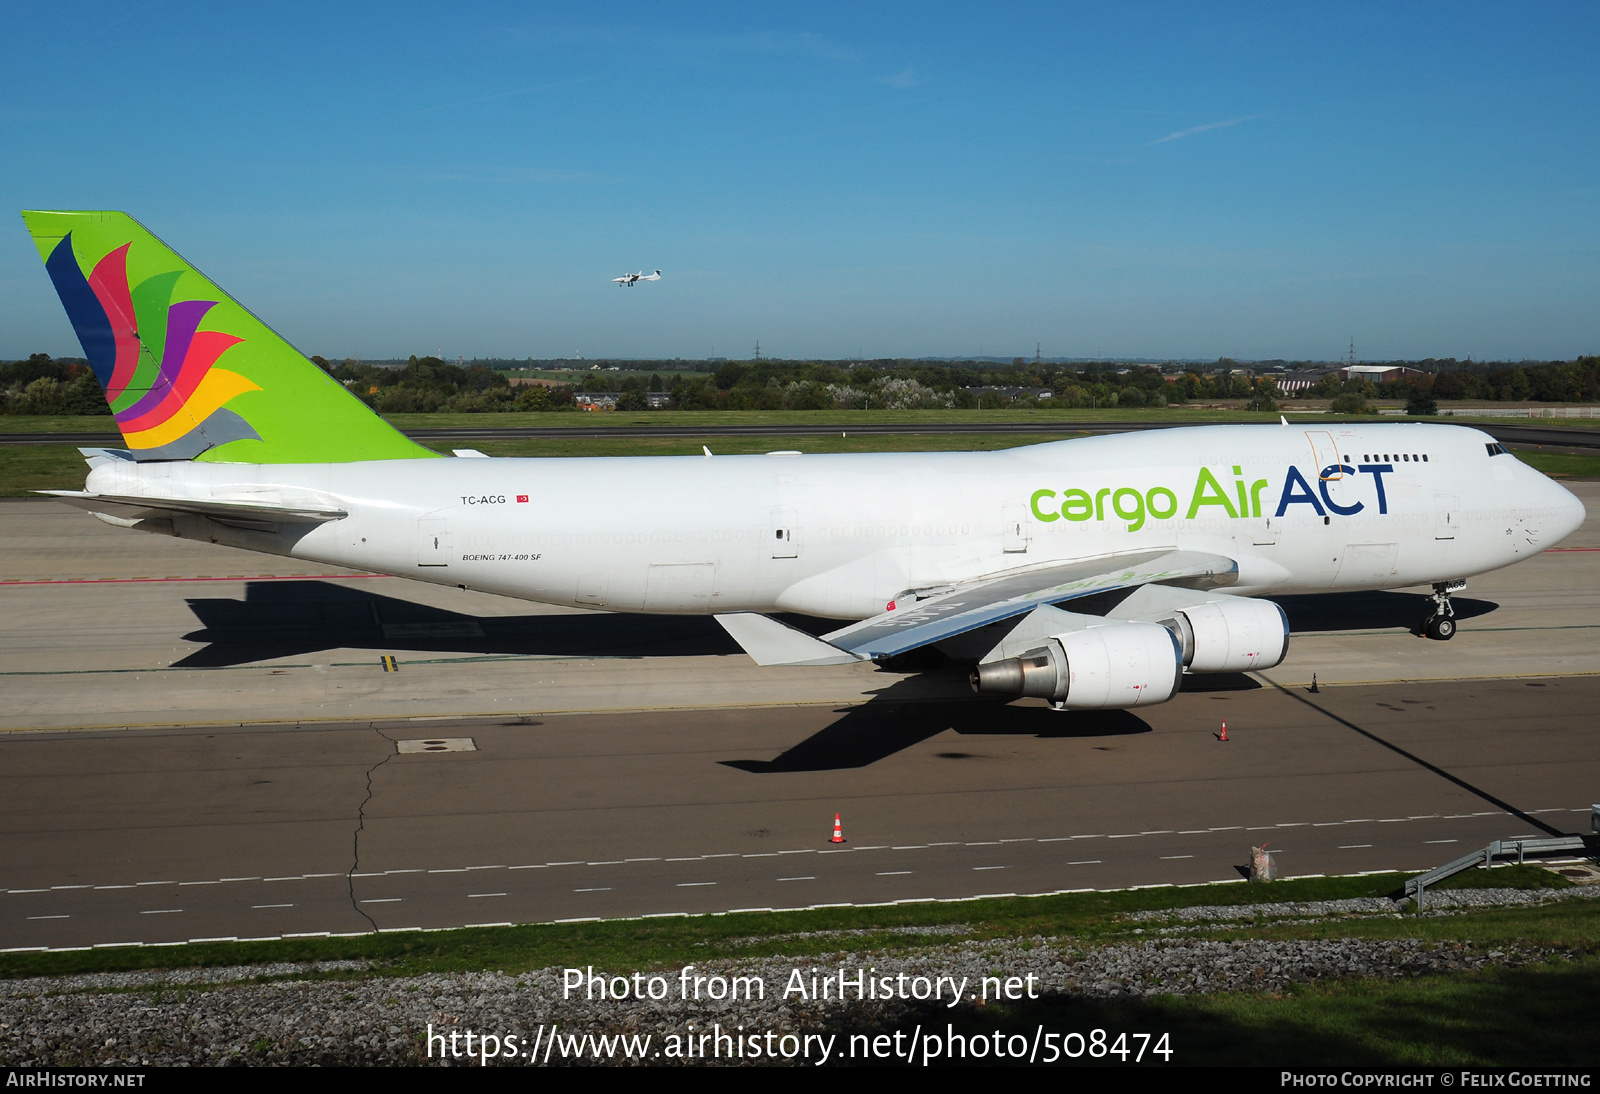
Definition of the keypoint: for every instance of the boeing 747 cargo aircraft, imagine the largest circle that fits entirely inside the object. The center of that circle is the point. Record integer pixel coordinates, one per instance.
(1092, 573)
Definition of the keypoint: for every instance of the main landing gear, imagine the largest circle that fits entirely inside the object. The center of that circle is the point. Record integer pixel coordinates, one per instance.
(1440, 622)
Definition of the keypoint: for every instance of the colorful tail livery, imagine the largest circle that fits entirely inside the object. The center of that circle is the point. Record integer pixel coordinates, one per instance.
(190, 374)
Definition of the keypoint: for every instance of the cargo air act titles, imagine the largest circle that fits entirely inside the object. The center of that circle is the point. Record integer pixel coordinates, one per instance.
(1337, 489)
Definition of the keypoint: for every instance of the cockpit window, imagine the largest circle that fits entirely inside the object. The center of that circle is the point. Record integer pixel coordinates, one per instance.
(1495, 449)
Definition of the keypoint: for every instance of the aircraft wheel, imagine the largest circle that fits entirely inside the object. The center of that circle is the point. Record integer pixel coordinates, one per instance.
(1441, 628)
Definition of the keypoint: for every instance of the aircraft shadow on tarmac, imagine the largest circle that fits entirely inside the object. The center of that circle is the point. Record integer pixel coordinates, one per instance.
(1368, 610)
(890, 723)
(290, 618)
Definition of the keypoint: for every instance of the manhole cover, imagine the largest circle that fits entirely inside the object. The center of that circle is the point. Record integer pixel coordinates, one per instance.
(437, 744)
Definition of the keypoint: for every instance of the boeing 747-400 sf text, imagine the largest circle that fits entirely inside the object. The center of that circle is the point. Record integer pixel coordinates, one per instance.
(1092, 572)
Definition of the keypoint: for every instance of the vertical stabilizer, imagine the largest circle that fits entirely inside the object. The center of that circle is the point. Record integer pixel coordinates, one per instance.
(189, 373)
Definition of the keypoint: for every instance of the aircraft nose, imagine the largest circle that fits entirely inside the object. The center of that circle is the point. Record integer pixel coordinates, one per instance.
(1569, 513)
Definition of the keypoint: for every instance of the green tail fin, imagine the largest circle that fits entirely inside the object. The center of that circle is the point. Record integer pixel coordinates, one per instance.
(187, 371)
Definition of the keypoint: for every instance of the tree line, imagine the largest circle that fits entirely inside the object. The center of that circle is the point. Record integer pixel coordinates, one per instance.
(424, 385)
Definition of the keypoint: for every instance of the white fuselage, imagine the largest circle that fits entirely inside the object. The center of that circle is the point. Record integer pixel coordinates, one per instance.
(1302, 510)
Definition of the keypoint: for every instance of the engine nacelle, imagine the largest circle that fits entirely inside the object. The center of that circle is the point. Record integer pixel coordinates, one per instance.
(1239, 634)
(1113, 667)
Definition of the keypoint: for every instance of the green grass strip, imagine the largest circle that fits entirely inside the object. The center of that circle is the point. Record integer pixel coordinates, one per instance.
(24, 469)
(1560, 464)
(671, 941)
(1534, 1017)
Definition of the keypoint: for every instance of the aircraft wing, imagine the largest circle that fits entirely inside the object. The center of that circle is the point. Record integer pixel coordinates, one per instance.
(247, 513)
(972, 605)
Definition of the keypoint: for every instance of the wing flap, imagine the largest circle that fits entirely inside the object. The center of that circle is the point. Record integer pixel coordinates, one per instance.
(975, 605)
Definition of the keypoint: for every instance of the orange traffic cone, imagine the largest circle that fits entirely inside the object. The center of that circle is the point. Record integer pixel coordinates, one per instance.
(1223, 736)
(838, 830)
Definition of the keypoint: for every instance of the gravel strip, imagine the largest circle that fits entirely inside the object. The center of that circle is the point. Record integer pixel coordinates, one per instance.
(1233, 912)
(929, 932)
(97, 1020)
(1489, 898)
(1437, 900)
(161, 978)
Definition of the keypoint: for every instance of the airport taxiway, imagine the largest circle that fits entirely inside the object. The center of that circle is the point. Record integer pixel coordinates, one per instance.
(626, 765)
(171, 835)
(107, 627)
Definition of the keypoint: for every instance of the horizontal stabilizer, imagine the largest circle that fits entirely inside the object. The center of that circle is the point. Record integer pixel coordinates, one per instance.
(233, 512)
(770, 642)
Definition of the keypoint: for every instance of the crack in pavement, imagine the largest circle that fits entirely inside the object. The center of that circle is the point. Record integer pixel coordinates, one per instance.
(361, 823)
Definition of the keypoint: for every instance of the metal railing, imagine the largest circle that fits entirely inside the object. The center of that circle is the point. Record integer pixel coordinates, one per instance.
(1417, 886)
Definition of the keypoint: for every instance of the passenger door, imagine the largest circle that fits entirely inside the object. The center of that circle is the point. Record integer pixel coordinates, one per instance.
(433, 542)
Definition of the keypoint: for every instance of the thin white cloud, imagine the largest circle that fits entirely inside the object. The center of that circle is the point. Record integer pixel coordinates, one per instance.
(908, 78)
(1203, 128)
(517, 175)
(693, 44)
(507, 94)
(814, 45)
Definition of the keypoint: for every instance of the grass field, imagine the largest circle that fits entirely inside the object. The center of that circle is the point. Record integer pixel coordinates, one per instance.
(1294, 410)
(1501, 1016)
(1559, 464)
(26, 468)
(1497, 1018)
(1088, 918)
(30, 423)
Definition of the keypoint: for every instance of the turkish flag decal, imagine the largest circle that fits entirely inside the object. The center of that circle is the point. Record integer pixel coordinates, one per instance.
(522, 497)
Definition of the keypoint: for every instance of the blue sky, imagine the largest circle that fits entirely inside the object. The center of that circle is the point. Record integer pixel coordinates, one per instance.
(1186, 181)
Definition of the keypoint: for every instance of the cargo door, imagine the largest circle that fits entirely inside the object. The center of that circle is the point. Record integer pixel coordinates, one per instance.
(1326, 455)
(679, 587)
(591, 592)
(1366, 565)
(1336, 483)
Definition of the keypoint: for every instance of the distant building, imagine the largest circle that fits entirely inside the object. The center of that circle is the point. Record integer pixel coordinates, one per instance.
(1012, 394)
(1302, 380)
(1377, 374)
(607, 400)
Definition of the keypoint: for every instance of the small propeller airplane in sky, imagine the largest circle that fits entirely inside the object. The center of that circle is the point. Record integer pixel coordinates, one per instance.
(630, 279)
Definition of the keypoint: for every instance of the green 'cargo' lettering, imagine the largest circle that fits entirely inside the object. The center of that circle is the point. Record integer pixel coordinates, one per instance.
(1033, 504)
(1075, 505)
(1137, 507)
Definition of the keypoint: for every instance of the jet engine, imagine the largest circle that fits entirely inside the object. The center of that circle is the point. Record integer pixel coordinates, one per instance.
(1111, 667)
(1238, 634)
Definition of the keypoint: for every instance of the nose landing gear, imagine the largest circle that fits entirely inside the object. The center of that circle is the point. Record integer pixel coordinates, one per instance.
(1440, 622)
(1441, 628)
